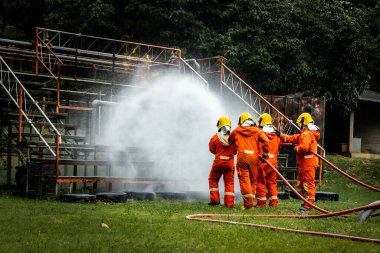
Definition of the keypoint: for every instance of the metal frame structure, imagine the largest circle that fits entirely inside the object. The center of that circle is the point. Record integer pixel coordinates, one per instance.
(28, 108)
(253, 99)
(186, 68)
(98, 47)
(25, 104)
(56, 51)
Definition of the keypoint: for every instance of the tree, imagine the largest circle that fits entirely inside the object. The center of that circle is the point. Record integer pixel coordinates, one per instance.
(19, 18)
(308, 46)
(94, 17)
(367, 12)
(321, 48)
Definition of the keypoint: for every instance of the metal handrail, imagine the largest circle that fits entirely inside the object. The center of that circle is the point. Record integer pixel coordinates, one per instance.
(22, 93)
(52, 45)
(40, 58)
(90, 44)
(192, 71)
(242, 84)
(242, 90)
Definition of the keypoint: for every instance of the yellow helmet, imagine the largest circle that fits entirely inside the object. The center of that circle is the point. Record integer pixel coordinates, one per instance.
(223, 121)
(304, 119)
(244, 116)
(264, 119)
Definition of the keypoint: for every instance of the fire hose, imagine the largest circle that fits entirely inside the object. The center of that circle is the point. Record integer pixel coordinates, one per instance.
(337, 169)
(202, 217)
(206, 217)
(344, 173)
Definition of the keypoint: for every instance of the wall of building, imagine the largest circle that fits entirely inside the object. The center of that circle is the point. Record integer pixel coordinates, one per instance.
(367, 126)
(337, 126)
(292, 107)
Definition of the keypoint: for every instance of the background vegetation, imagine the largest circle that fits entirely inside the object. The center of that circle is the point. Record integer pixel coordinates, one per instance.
(316, 47)
(29, 225)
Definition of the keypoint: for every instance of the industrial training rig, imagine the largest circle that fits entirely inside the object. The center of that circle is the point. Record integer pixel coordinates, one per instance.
(55, 88)
(50, 85)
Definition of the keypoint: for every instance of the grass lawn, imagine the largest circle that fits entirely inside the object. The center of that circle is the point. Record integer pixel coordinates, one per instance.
(160, 226)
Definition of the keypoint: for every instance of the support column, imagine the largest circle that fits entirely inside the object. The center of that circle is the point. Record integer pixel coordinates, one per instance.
(351, 135)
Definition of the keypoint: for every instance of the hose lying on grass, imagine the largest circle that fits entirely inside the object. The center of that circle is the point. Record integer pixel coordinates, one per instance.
(376, 205)
(206, 218)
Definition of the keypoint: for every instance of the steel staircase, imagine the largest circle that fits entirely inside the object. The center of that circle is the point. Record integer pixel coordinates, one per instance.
(73, 71)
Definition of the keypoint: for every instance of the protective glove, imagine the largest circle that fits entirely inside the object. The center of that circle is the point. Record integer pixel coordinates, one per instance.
(278, 133)
(266, 155)
(296, 148)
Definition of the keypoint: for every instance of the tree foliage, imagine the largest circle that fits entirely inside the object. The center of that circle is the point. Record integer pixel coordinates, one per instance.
(315, 47)
(19, 18)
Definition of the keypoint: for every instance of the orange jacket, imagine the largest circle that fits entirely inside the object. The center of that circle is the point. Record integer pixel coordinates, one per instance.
(220, 150)
(307, 141)
(273, 148)
(247, 138)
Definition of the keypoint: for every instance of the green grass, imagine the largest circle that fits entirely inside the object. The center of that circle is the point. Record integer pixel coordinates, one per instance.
(160, 226)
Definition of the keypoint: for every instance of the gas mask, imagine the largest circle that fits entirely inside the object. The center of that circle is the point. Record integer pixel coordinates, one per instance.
(268, 129)
(225, 130)
(248, 122)
(312, 127)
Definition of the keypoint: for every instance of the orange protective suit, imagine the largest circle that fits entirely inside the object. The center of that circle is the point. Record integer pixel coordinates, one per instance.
(267, 180)
(307, 162)
(223, 165)
(246, 139)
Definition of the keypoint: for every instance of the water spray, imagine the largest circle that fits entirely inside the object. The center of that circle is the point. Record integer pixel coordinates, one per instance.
(168, 124)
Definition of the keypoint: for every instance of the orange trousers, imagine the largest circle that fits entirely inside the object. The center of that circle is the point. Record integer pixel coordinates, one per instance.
(306, 183)
(227, 170)
(266, 185)
(247, 170)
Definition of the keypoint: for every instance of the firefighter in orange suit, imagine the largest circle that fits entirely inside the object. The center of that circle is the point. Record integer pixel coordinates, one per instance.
(223, 164)
(246, 138)
(307, 162)
(267, 177)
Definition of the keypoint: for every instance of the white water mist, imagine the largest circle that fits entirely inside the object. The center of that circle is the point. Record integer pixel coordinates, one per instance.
(164, 131)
